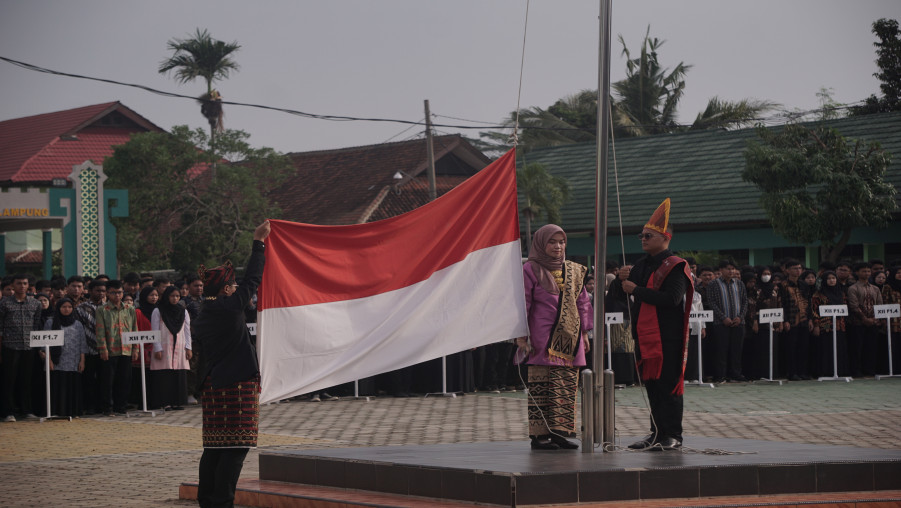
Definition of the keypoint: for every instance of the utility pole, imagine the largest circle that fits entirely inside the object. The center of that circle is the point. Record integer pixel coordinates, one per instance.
(430, 149)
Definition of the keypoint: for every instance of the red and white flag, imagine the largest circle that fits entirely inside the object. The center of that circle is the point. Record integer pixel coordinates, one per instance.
(340, 303)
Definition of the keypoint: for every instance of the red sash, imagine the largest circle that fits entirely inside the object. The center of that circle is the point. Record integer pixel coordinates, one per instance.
(648, 327)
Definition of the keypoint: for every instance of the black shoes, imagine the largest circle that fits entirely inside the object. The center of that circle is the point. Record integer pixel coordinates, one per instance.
(644, 442)
(659, 444)
(563, 443)
(668, 443)
(543, 443)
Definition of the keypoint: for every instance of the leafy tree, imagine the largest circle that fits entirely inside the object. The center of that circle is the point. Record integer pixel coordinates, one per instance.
(888, 59)
(201, 56)
(818, 186)
(543, 194)
(180, 214)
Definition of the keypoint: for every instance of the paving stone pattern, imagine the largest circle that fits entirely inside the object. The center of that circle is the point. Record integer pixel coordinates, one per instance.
(113, 462)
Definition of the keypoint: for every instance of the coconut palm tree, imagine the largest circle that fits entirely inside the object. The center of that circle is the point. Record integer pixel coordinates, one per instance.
(542, 194)
(647, 98)
(201, 56)
(644, 102)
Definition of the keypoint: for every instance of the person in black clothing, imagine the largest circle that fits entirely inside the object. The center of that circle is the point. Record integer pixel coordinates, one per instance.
(660, 284)
(230, 375)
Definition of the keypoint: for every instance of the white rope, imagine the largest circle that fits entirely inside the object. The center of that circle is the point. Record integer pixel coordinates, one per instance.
(522, 63)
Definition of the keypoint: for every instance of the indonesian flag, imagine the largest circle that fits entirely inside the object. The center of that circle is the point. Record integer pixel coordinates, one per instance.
(340, 303)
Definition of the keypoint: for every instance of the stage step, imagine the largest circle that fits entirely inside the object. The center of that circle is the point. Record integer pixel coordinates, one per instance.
(261, 494)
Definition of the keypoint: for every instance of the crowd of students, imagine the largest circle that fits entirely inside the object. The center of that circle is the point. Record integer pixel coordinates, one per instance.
(94, 372)
(735, 346)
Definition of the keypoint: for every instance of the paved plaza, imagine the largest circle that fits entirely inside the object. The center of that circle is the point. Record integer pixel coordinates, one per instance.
(140, 461)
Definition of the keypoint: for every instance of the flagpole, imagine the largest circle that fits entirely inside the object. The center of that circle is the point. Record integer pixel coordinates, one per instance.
(600, 233)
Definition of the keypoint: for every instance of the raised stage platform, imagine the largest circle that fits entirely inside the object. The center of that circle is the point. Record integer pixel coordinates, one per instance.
(511, 474)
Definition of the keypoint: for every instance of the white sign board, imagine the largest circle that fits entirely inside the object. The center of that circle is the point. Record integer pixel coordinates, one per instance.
(140, 337)
(833, 310)
(888, 310)
(771, 315)
(252, 328)
(47, 338)
(613, 318)
(701, 316)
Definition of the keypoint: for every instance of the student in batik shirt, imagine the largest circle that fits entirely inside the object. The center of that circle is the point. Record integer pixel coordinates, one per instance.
(20, 314)
(795, 328)
(862, 332)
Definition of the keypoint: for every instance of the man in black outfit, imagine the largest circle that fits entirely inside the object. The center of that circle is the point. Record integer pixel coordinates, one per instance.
(660, 284)
(230, 375)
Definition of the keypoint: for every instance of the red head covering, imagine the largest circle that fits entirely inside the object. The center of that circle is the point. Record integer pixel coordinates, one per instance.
(659, 221)
(215, 279)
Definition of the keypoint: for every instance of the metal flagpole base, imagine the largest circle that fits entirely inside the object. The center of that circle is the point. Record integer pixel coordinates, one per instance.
(47, 418)
(883, 376)
(145, 412)
(452, 395)
(835, 378)
(699, 383)
(771, 381)
(364, 398)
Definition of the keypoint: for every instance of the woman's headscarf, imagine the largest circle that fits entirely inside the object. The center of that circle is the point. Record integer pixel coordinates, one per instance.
(173, 315)
(59, 321)
(894, 283)
(834, 294)
(807, 289)
(144, 305)
(48, 312)
(542, 261)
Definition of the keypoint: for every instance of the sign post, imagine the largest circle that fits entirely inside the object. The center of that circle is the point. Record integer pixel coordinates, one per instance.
(887, 312)
(610, 318)
(702, 316)
(46, 339)
(835, 311)
(139, 339)
(771, 316)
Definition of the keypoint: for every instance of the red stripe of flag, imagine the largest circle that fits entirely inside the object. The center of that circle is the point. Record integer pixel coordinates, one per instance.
(308, 264)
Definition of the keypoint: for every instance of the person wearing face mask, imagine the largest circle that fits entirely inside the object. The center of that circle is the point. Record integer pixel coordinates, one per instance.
(767, 298)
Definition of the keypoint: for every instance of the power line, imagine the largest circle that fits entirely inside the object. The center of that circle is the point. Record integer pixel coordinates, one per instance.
(782, 117)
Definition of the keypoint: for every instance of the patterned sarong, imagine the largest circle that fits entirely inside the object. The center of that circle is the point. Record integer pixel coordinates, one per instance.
(552, 399)
(231, 415)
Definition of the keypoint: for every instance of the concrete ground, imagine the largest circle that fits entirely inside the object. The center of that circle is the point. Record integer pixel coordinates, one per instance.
(140, 461)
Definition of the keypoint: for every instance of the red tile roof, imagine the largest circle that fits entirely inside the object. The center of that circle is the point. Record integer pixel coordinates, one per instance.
(352, 185)
(43, 147)
(25, 257)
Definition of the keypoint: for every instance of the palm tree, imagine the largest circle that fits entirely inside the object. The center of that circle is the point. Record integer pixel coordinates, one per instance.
(204, 57)
(572, 119)
(543, 193)
(647, 98)
(720, 114)
(644, 102)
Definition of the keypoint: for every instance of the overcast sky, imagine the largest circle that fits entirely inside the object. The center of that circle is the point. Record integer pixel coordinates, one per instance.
(382, 58)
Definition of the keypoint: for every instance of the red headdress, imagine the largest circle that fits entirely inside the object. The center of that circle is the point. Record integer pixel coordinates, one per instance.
(659, 221)
(215, 278)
